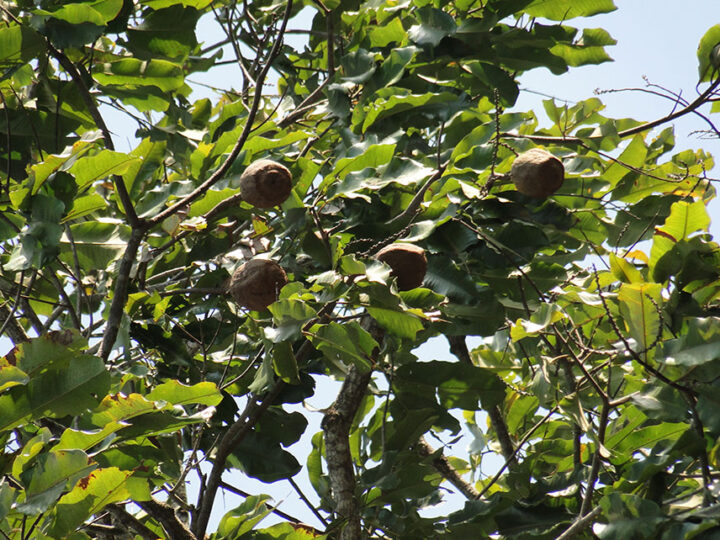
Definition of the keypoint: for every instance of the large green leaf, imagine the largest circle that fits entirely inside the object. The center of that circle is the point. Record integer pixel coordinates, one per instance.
(48, 478)
(167, 76)
(457, 385)
(344, 344)
(56, 392)
(176, 393)
(562, 10)
(90, 495)
(400, 323)
(18, 43)
(708, 53)
(100, 166)
(640, 305)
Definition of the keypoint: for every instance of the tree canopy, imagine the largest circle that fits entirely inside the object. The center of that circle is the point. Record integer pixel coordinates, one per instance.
(164, 308)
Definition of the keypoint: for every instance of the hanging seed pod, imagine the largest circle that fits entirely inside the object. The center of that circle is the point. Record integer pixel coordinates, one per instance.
(537, 173)
(256, 284)
(265, 183)
(407, 262)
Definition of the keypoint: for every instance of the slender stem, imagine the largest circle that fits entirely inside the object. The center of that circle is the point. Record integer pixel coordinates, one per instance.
(604, 414)
(307, 502)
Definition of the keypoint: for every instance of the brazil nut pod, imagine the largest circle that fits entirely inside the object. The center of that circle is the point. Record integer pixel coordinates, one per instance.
(537, 173)
(265, 183)
(257, 283)
(407, 262)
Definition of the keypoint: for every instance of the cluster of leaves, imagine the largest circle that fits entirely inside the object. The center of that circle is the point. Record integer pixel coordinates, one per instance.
(597, 307)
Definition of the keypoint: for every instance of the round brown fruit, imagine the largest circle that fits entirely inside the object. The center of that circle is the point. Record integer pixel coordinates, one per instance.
(537, 173)
(256, 284)
(407, 262)
(265, 183)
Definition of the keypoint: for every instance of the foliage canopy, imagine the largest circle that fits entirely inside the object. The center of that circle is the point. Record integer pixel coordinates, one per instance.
(593, 312)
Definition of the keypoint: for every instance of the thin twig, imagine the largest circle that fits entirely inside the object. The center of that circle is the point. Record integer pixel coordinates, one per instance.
(543, 139)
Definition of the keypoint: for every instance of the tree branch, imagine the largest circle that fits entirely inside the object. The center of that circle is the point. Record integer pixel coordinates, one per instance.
(543, 139)
(129, 521)
(234, 435)
(336, 424)
(580, 524)
(120, 294)
(458, 347)
(447, 471)
(165, 514)
(220, 172)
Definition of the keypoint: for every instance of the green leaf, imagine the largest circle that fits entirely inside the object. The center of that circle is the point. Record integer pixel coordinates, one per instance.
(632, 157)
(285, 363)
(393, 101)
(99, 166)
(86, 439)
(358, 66)
(48, 478)
(173, 391)
(96, 243)
(457, 385)
(11, 376)
(19, 43)
(121, 408)
(89, 496)
(374, 156)
(242, 519)
(624, 270)
(167, 76)
(344, 344)
(562, 10)
(160, 4)
(685, 219)
(434, 24)
(262, 458)
(400, 323)
(546, 315)
(639, 305)
(75, 14)
(708, 54)
(392, 32)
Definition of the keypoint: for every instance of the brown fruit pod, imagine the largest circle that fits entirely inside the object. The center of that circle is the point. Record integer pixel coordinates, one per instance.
(265, 183)
(257, 283)
(537, 173)
(407, 262)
